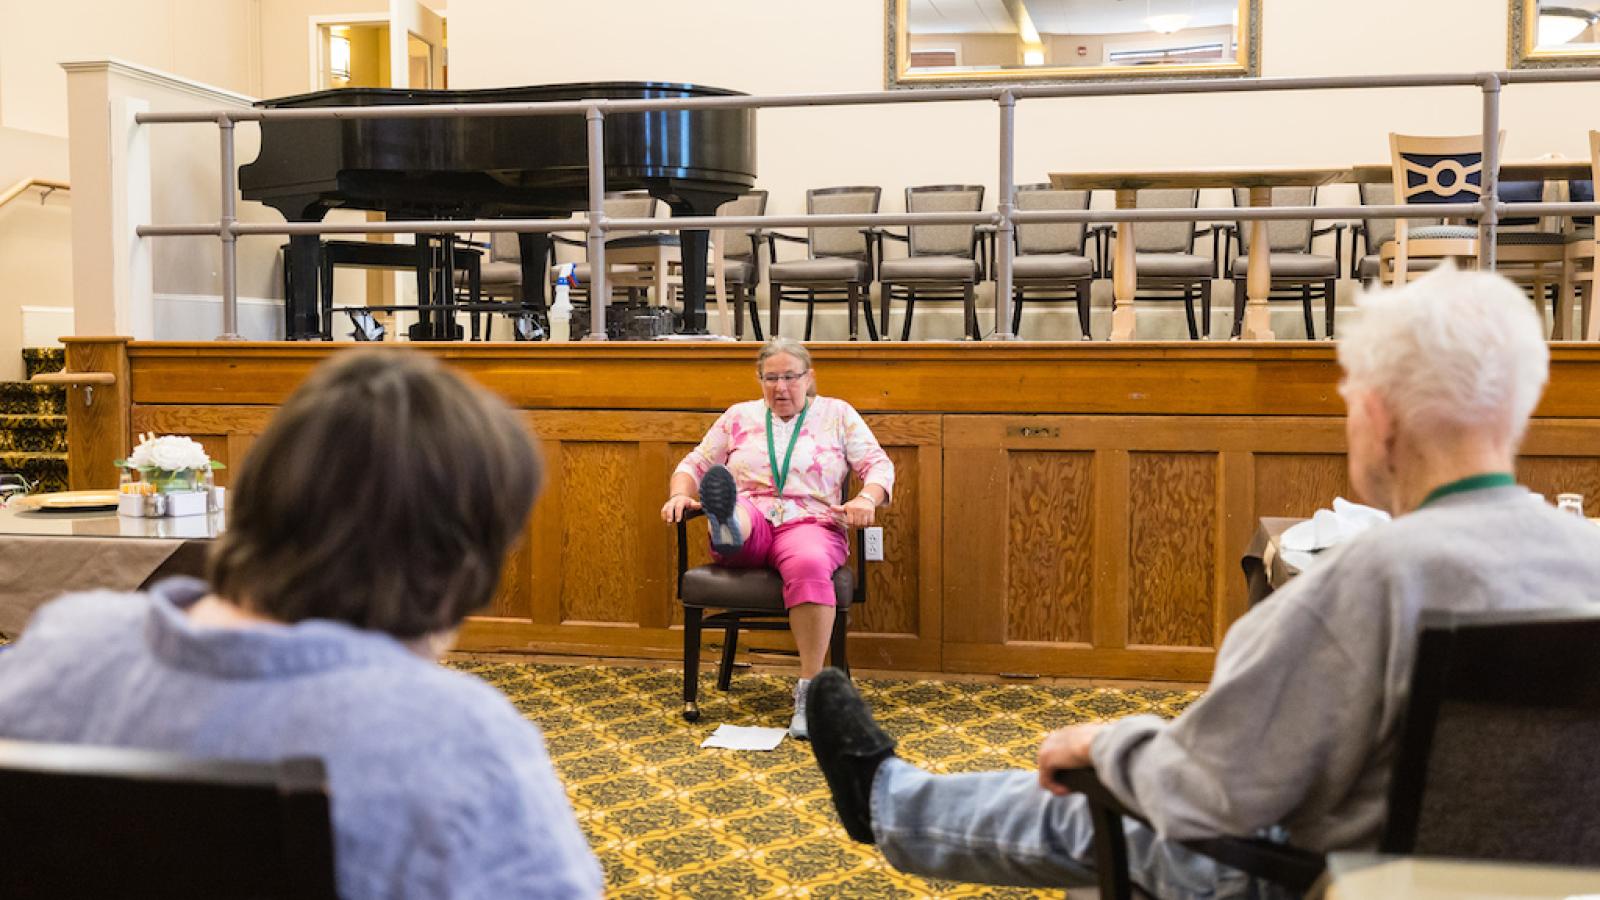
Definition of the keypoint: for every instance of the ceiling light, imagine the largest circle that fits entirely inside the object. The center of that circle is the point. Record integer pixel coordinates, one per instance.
(1560, 24)
(1033, 57)
(1167, 23)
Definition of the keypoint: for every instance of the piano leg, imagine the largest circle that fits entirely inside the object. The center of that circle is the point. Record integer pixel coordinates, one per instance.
(535, 252)
(693, 247)
(423, 330)
(302, 294)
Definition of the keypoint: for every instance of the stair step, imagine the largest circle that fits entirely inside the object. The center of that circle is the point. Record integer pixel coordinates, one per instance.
(48, 469)
(43, 359)
(23, 398)
(33, 433)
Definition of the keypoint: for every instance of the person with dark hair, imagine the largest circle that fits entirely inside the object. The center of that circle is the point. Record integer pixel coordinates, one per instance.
(366, 522)
(768, 475)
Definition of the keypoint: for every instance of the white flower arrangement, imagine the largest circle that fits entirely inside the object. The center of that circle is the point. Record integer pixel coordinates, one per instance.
(168, 458)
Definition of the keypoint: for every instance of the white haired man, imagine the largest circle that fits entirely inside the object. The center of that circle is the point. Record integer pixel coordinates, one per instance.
(1296, 734)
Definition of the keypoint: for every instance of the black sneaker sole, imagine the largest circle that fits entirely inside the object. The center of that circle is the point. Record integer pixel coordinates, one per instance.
(719, 497)
(849, 746)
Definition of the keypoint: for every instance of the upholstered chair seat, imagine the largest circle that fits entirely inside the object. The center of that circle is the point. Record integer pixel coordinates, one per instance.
(1051, 265)
(928, 268)
(819, 270)
(752, 590)
(1291, 265)
(1170, 265)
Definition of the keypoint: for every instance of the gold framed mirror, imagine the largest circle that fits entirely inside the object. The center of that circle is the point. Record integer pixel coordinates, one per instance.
(1554, 33)
(940, 43)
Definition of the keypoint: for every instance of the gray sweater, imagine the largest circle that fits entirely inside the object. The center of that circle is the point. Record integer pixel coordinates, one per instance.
(1298, 727)
(439, 788)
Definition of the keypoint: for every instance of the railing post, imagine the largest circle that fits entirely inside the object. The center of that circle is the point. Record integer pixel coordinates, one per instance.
(599, 292)
(230, 241)
(1490, 218)
(1005, 231)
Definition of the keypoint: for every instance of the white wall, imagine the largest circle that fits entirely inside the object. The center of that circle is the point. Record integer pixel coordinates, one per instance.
(838, 45)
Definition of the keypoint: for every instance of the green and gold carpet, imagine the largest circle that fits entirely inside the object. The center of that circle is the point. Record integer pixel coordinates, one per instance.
(668, 819)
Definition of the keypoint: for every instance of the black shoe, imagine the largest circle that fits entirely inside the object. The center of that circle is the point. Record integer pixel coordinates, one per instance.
(719, 497)
(849, 747)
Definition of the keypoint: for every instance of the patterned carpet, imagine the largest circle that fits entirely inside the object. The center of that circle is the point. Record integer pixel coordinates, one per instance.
(668, 819)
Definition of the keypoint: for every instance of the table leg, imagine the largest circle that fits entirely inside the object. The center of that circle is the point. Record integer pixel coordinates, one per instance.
(1124, 278)
(1258, 280)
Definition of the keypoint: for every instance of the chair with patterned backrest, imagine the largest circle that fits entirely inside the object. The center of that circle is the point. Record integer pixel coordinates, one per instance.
(1294, 267)
(1372, 234)
(86, 821)
(1050, 256)
(1578, 268)
(838, 267)
(1495, 759)
(1165, 259)
(751, 600)
(1450, 170)
(941, 261)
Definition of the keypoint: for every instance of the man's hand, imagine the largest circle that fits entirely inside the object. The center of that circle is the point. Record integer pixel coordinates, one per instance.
(675, 505)
(1065, 748)
(857, 512)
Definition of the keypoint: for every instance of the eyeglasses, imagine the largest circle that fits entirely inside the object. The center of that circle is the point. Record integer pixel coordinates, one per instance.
(783, 377)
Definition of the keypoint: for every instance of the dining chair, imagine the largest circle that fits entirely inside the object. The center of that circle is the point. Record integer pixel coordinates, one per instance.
(941, 261)
(1050, 265)
(1164, 257)
(1295, 268)
(838, 267)
(1578, 266)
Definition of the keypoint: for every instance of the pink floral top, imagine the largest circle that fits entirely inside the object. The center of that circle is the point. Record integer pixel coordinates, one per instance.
(834, 441)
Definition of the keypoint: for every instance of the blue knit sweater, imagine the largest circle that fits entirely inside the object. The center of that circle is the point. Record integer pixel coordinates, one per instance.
(439, 788)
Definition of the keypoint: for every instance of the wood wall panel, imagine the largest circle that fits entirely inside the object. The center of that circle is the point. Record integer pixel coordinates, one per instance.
(1552, 475)
(598, 483)
(1171, 545)
(1049, 562)
(1146, 464)
(1299, 484)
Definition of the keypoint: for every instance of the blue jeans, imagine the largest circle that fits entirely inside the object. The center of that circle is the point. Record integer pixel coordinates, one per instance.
(1002, 828)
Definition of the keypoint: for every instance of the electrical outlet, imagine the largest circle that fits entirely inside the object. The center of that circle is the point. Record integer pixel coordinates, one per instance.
(873, 542)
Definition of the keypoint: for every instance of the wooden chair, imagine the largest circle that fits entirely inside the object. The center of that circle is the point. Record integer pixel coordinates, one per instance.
(1450, 170)
(742, 259)
(82, 821)
(1165, 259)
(838, 266)
(751, 599)
(1050, 264)
(941, 260)
(1578, 268)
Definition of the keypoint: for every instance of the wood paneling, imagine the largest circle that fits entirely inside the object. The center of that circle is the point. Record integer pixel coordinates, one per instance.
(1049, 560)
(97, 422)
(1091, 501)
(1171, 545)
(1299, 484)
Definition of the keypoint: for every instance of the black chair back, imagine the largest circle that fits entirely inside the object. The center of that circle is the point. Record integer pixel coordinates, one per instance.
(81, 821)
(1497, 747)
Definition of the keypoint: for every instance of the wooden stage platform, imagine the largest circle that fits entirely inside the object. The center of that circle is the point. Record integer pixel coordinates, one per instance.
(1062, 509)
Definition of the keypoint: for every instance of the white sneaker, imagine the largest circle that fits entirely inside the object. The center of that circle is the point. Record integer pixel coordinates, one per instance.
(797, 723)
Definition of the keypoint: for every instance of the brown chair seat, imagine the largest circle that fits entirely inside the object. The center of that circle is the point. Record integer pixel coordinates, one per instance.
(821, 269)
(1041, 266)
(942, 269)
(1367, 269)
(1291, 265)
(751, 590)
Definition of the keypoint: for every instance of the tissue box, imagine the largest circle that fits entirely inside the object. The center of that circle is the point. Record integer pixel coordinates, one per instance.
(130, 505)
(187, 503)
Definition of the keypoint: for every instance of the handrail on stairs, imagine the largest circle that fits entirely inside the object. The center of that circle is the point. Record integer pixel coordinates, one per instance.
(50, 186)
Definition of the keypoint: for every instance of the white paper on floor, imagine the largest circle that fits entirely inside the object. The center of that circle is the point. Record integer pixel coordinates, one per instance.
(741, 737)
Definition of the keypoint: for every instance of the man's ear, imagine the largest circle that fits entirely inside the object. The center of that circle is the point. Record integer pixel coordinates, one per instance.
(1381, 422)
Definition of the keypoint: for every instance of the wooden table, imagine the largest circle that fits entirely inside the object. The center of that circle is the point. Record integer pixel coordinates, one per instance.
(1370, 876)
(1260, 182)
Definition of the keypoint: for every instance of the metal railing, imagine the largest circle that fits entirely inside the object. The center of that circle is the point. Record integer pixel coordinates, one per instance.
(1488, 209)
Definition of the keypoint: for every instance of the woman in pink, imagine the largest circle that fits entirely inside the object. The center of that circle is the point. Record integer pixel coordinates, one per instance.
(769, 475)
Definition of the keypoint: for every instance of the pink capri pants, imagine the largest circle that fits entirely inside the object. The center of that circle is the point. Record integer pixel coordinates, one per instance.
(805, 552)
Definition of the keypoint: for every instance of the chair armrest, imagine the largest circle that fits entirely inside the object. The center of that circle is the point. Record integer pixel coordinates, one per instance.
(886, 233)
(773, 237)
(1292, 867)
(557, 238)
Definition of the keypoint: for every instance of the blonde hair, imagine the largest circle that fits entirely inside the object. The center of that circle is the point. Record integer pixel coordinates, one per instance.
(791, 347)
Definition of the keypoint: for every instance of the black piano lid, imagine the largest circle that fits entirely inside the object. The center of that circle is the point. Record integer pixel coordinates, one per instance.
(537, 93)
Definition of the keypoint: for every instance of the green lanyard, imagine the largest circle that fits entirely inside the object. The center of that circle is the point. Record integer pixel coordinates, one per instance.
(779, 476)
(1470, 483)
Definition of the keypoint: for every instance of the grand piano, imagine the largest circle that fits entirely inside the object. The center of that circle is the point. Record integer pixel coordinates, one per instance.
(494, 166)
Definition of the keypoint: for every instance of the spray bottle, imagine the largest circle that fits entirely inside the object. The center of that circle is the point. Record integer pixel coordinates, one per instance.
(561, 309)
